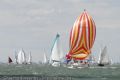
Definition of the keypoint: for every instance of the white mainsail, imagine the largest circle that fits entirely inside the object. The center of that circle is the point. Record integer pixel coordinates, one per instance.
(55, 50)
(104, 58)
(21, 57)
(29, 58)
(57, 54)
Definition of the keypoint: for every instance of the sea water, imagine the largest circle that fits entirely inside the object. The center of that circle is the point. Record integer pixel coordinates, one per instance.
(47, 72)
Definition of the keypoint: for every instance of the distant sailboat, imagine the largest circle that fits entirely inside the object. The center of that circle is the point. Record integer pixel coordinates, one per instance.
(29, 58)
(45, 59)
(9, 60)
(56, 55)
(16, 56)
(21, 58)
(103, 58)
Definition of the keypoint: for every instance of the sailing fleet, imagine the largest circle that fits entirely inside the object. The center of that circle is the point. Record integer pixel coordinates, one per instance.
(82, 38)
(20, 58)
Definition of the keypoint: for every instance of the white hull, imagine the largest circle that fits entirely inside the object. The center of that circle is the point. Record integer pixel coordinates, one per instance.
(56, 64)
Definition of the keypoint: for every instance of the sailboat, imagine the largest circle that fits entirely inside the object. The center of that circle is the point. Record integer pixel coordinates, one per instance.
(56, 54)
(21, 57)
(9, 60)
(16, 56)
(82, 37)
(29, 58)
(103, 58)
(45, 59)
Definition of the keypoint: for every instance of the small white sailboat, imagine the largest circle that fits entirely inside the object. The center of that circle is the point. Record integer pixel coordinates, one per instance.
(16, 56)
(45, 59)
(56, 55)
(103, 58)
(21, 57)
(29, 58)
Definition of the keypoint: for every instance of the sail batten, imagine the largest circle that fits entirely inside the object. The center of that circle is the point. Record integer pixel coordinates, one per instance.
(82, 37)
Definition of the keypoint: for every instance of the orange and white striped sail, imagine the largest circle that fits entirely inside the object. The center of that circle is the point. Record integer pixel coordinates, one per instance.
(82, 37)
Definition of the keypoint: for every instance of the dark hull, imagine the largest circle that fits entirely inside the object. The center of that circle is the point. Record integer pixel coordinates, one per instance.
(101, 65)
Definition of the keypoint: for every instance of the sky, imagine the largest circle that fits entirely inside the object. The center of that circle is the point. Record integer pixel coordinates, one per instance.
(33, 24)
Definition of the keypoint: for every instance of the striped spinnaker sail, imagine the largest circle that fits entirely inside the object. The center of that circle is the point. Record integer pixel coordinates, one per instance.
(82, 37)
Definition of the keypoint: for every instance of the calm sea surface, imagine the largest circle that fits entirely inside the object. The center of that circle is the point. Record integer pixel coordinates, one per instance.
(60, 73)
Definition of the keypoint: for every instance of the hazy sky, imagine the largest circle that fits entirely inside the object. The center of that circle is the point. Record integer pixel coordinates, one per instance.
(33, 24)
